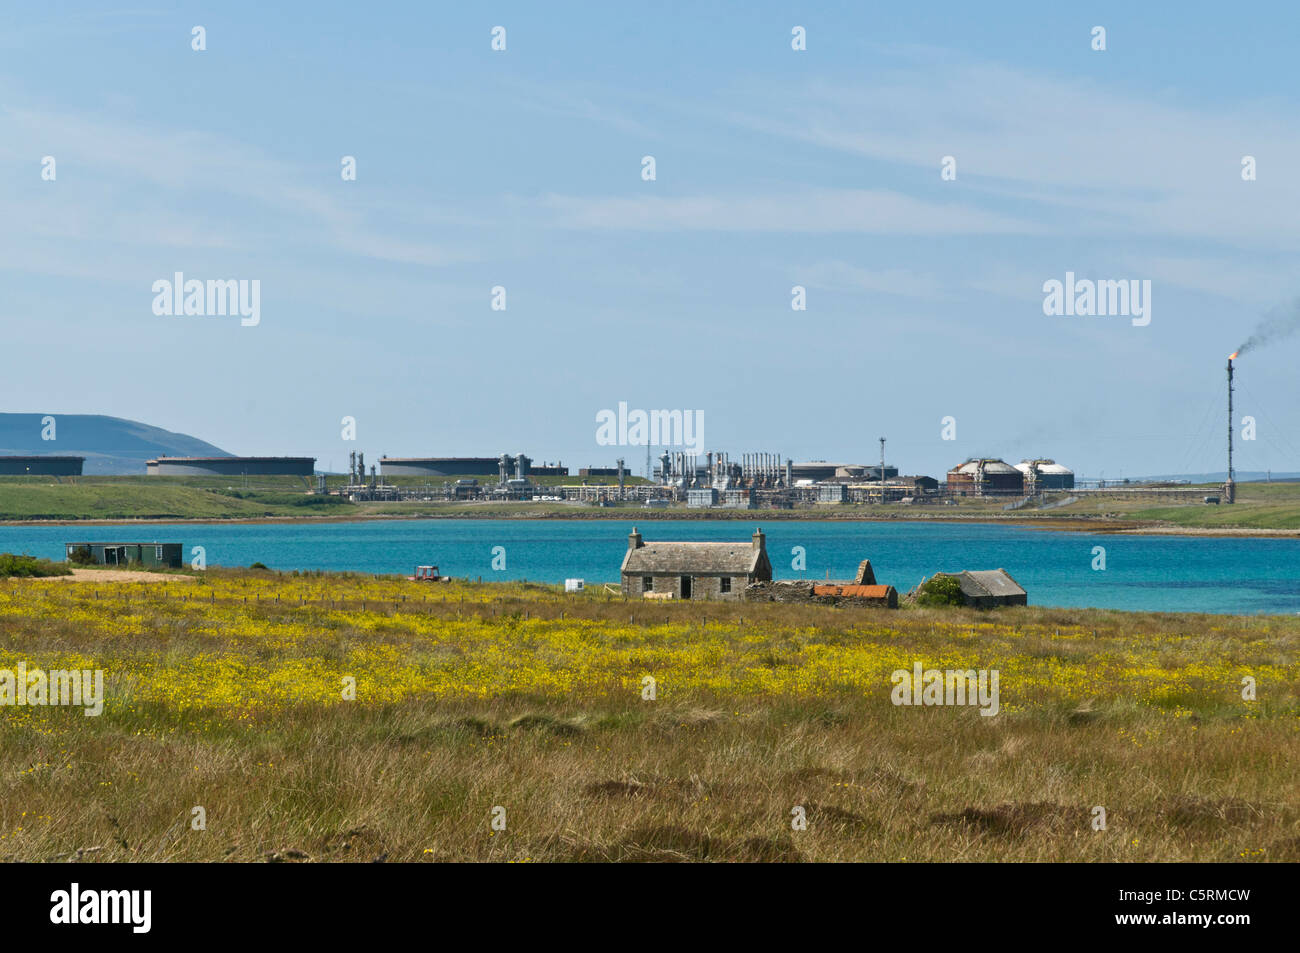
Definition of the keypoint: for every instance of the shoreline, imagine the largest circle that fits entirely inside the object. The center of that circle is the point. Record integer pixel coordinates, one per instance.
(1060, 524)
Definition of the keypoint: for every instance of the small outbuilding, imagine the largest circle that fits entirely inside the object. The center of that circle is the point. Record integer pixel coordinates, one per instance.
(986, 588)
(685, 570)
(126, 554)
(697, 497)
(862, 591)
(852, 595)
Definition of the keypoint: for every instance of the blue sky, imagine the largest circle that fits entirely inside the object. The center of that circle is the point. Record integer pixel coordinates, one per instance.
(775, 168)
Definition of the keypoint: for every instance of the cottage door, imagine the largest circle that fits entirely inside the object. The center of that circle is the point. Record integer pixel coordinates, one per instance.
(686, 587)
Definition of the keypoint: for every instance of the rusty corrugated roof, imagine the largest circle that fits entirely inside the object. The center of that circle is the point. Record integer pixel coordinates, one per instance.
(860, 592)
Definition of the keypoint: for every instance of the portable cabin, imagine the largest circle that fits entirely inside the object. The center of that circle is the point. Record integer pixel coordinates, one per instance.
(168, 555)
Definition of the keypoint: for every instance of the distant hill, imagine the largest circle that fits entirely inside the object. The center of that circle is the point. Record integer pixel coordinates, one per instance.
(1243, 476)
(111, 445)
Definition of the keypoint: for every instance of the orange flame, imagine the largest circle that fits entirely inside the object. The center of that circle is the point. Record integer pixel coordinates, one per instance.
(1233, 355)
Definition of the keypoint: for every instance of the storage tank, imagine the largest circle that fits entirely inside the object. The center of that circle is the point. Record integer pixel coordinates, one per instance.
(980, 476)
(1046, 474)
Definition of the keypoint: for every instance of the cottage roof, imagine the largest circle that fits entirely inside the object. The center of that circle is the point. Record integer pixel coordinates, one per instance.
(739, 557)
(988, 582)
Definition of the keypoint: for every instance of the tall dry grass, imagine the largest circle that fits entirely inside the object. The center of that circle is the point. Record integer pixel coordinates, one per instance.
(701, 773)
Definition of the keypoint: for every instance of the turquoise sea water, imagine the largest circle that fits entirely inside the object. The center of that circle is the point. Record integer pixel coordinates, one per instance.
(1167, 573)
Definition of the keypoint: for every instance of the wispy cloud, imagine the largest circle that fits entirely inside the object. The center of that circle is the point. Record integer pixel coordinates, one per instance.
(903, 282)
(1072, 154)
(865, 211)
(160, 188)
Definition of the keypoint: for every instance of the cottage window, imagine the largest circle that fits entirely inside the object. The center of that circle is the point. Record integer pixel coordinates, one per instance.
(726, 583)
(157, 553)
(647, 583)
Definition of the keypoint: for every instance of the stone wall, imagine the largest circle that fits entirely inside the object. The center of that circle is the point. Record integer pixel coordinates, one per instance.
(702, 586)
(801, 591)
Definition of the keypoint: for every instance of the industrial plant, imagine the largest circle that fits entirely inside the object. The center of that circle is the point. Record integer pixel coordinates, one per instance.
(717, 479)
(714, 480)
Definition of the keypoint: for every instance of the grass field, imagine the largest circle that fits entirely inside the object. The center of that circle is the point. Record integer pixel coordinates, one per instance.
(107, 498)
(227, 693)
(1258, 506)
(215, 498)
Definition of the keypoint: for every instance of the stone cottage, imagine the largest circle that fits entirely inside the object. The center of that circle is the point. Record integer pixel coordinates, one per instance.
(694, 570)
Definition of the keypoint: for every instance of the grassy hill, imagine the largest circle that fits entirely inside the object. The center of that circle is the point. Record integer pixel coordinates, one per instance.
(109, 444)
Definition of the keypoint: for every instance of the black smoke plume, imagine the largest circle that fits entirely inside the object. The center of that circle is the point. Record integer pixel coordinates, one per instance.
(1277, 324)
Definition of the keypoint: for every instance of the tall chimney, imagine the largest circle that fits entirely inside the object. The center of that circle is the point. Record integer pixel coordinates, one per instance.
(634, 539)
(1230, 488)
(759, 539)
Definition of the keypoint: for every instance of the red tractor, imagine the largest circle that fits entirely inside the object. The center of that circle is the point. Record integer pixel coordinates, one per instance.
(427, 574)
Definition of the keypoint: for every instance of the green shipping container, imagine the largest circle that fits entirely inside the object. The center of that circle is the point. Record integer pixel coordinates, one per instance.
(126, 554)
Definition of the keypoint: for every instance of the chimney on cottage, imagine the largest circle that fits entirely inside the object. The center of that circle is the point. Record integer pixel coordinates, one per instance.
(634, 539)
(759, 539)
